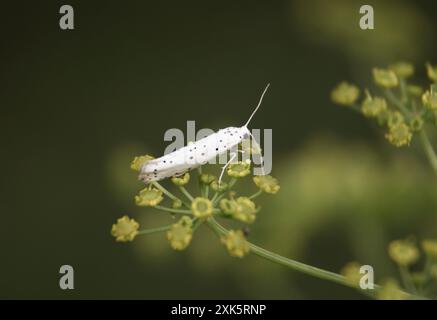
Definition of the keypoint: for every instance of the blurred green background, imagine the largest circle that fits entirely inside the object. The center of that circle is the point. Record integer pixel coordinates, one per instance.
(78, 105)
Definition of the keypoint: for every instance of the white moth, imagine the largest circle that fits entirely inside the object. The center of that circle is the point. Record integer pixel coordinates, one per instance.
(198, 153)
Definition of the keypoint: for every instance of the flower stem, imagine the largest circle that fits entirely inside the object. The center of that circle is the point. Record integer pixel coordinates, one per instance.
(167, 193)
(154, 230)
(429, 150)
(186, 193)
(171, 210)
(256, 194)
(406, 279)
(299, 266)
(393, 99)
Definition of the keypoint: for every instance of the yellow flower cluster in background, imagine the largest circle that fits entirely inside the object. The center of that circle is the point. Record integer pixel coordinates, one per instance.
(403, 109)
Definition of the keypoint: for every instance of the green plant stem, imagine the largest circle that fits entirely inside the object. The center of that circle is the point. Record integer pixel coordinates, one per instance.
(201, 185)
(393, 99)
(429, 150)
(171, 210)
(403, 87)
(168, 193)
(219, 195)
(299, 266)
(186, 193)
(256, 194)
(155, 230)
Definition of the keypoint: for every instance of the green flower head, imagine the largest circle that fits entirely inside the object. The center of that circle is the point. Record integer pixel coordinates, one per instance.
(399, 135)
(372, 107)
(125, 229)
(138, 162)
(180, 233)
(149, 197)
(181, 180)
(207, 178)
(219, 188)
(267, 184)
(351, 271)
(236, 244)
(202, 207)
(345, 94)
(385, 78)
(403, 252)
(239, 169)
(245, 210)
(429, 99)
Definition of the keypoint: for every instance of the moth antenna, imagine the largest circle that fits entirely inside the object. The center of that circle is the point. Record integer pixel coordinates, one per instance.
(259, 104)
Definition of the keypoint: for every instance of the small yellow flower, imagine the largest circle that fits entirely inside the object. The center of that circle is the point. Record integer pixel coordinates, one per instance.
(180, 233)
(399, 135)
(138, 162)
(236, 243)
(219, 188)
(385, 78)
(245, 210)
(239, 169)
(395, 119)
(416, 123)
(403, 252)
(201, 207)
(432, 71)
(414, 90)
(176, 204)
(391, 291)
(207, 178)
(429, 99)
(402, 69)
(181, 180)
(228, 206)
(430, 247)
(345, 94)
(149, 197)
(372, 107)
(267, 184)
(125, 229)
(351, 271)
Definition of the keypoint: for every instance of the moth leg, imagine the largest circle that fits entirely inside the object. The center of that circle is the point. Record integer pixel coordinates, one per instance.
(233, 155)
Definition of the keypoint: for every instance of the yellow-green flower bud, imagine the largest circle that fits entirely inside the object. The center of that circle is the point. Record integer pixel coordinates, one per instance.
(385, 78)
(429, 99)
(149, 197)
(402, 69)
(267, 183)
(245, 210)
(430, 247)
(391, 291)
(395, 119)
(239, 169)
(372, 107)
(403, 252)
(181, 180)
(180, 233)
(416, 123)
(138, 162)
(345, 94)
(236, 243)
(176, 204)
(228, 206)
(431, 71)
(207, 178)
(201, 207)
(125, 229)
(399, 135)
(219, 188)
(351, 271)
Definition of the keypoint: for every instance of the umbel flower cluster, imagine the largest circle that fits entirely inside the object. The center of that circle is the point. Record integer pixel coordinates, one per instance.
(215, 200)
(407, 255)
(400, 106)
